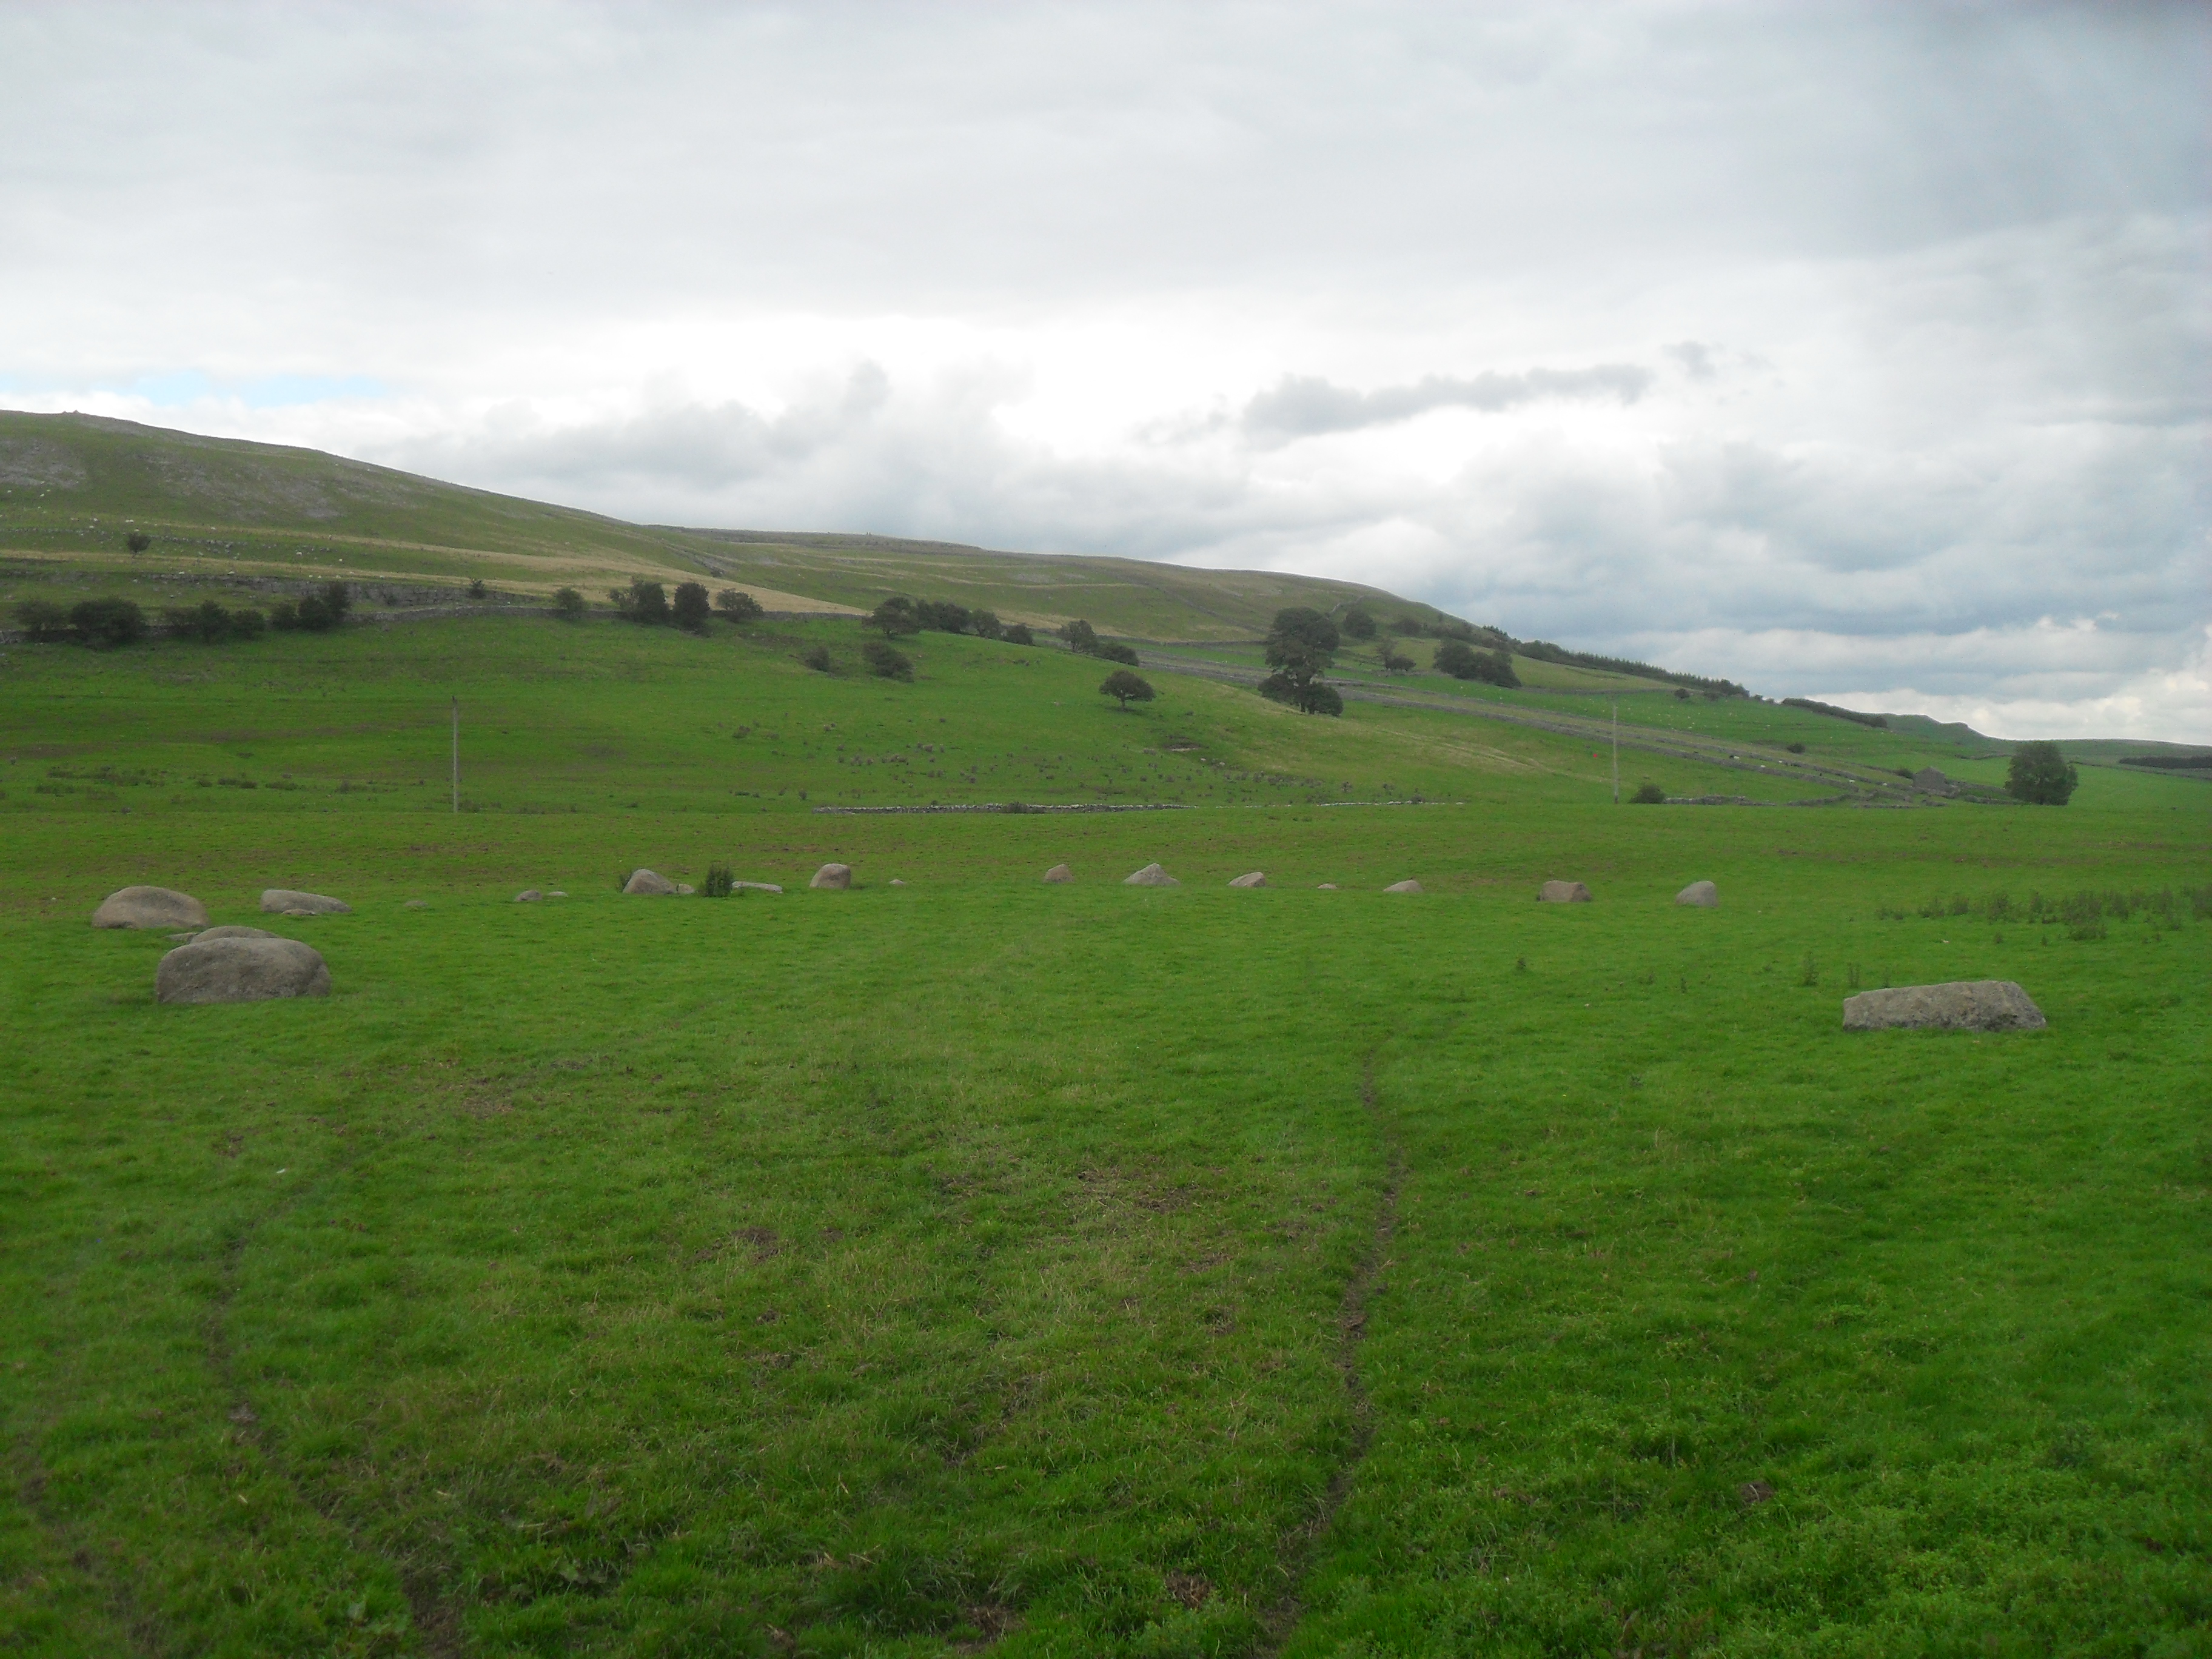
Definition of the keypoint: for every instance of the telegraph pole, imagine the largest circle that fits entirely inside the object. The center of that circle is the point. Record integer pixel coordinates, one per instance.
(1616, 751)
(456, 758)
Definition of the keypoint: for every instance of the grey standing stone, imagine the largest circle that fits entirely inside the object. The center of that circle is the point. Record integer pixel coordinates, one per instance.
(1966, 1005)
(1564, 892)
(242, 970)
(644, 881)
(834, 877)
(1151, 876)
(1702, 894)
(149, 908)
(1059, 874)
(1251, 878)
(284, 901)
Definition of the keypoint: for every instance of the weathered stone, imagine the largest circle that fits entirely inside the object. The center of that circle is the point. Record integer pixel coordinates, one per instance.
(242, 970)
(1251, 878)
(284, 901)
(1326, 887)
(418, 904)
(530, 895)
(1564, 892)
(686, 889)
(644, 881)
(556, 893)
(1059, 874)
(896, 882)
(1151, 876)
(1934, 781)
(755, 887)
(1403, 887)
(1703, 894)
(212, 933)
(1966, 1005)
(835, 877)
(149, 908)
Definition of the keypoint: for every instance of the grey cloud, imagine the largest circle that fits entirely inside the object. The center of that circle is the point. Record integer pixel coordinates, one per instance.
(1302, 406)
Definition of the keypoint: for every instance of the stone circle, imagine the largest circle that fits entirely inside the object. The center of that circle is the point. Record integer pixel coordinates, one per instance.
(284, 901)
(1564, 892)
(1703, 894)
(242, 970)
(1966, 1005)
(149, 908)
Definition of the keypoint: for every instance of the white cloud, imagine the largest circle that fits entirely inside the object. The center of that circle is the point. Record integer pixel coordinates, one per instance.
(1879, 332)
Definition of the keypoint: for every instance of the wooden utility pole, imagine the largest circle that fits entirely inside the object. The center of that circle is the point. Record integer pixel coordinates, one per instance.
(456, 758)
(1616, 751)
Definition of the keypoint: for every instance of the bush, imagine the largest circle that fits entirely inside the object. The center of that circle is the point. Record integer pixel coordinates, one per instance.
(1410, 627)
(207, 622)
(641, 602)
(1358, 624)
(985, 625)
(1126, 688)
(886, 661)
(1680, 695)
(283, 615)
(1081, 637)
(895, 618)
(738, 607)
(1648, 793)
(718, 883)
(1019, 633)
(2040, 775)
(138, 541)
(477, 589)
(247, 625)
(1795, 748)
(1463, 662)
(1114, 651)
(942, 616)
(43, 620)
(108, 621)
(568, 605)
(1396, 661)
(815, 657)
(692, 609)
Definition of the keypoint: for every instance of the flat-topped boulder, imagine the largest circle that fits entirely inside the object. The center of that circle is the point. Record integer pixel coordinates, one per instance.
(242, 970)
(755, 887)
(1702, 894)
(1965, 1005)
(1059, 874)
(1251, 878)
(1326, 887)
(1564, 892)
(1405, 887)
(150, 908)
(287, 902)
(648, 883)
(1151, 876)
(208, 935)
(834, 877)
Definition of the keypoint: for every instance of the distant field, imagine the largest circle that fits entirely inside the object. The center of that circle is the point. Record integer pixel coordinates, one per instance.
(977, 1266)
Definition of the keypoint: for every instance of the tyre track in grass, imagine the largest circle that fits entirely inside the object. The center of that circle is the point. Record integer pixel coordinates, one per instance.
(1301, 1548)
(436, 1616)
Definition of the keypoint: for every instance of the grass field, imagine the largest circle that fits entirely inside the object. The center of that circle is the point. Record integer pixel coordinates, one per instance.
(979, 1266)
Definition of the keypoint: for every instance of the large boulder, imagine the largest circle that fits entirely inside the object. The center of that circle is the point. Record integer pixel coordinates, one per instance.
(1151, 876)
(1564, 892)
(1251, 878)
(1966, 1005)
(149, 908)
(1404, 887)
(284, 901)
(242, 970)
(209, 935)
(1058, 874)
(1703, 894)
(644, 881)
(834, 877)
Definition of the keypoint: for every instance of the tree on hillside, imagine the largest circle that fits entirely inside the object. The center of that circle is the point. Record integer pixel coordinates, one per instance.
(138, 541)
(1081, 637)
(894, 618)
(942, 616)
(1357, 623)
(2040, 775)
(1396, 661)
(108, 621)
(1114, 650)
(692, 608)
(1126, 688)
(886, 661)
(985, 624)
(641, 601)
(1299, 647)
(1019, 633)
(1462, 661)
(738, 607)
(568, 605)
(43, 620)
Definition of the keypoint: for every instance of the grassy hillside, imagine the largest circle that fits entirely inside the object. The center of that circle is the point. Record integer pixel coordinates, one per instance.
(974, 1265)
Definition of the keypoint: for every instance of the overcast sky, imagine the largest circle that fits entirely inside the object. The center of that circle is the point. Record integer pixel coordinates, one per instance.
(1852, 351)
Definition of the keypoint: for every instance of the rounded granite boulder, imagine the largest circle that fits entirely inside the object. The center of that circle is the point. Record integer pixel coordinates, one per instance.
(242, 970)
(150, 908)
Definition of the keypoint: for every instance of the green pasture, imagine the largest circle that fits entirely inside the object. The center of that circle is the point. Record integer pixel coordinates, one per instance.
(979, 1266)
